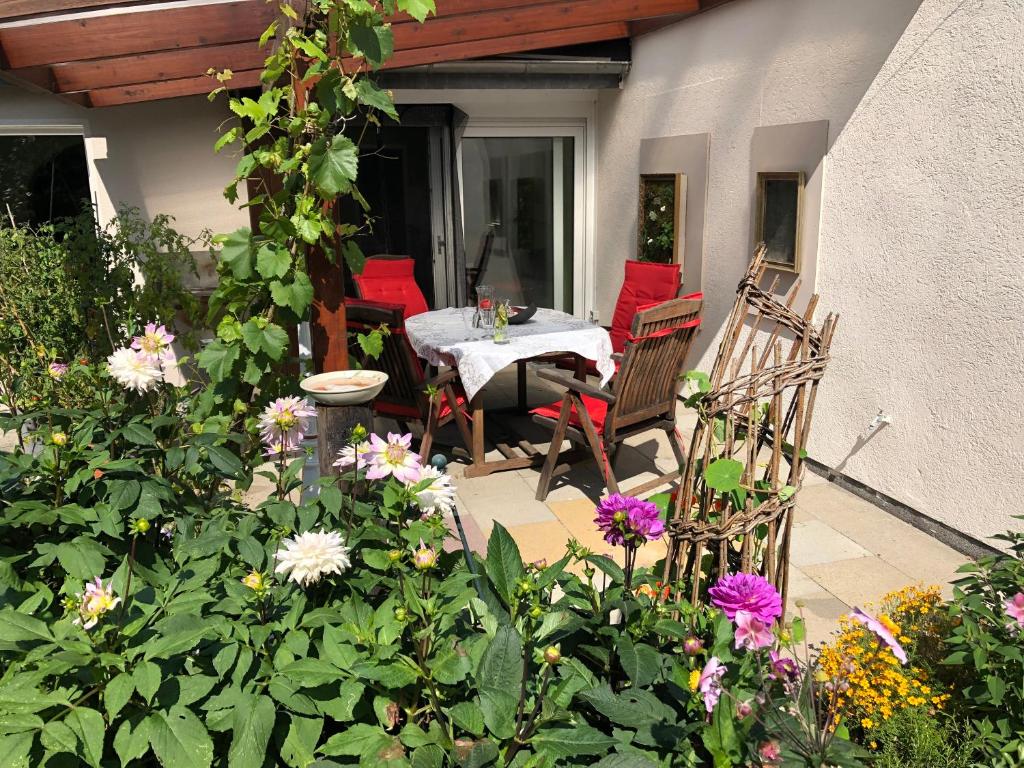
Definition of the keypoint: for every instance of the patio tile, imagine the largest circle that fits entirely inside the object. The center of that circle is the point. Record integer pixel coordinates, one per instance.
(815, 543)
(578, 519)
(475, 537)
(821, 611)
(538, 541)
(858, 581)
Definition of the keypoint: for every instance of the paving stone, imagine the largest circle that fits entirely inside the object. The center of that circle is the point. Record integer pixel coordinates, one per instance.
(540, 541)
(859, 581)
(821, 611)
(814, 542)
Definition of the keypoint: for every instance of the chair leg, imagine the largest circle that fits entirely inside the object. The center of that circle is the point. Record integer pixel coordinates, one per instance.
(428, 430)
(544, 484)
(460, 419)
(597, 446)
(521, 385)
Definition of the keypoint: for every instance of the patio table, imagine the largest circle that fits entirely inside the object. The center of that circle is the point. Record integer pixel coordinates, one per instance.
(447, 337)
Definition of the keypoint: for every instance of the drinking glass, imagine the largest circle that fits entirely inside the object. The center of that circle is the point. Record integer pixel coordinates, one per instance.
(485, 306)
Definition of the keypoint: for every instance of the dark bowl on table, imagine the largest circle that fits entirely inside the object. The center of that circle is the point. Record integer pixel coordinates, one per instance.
(520, 315)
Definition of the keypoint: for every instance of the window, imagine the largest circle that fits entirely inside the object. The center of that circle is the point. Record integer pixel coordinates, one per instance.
(523, 208)
(42, 177)
(779, 208)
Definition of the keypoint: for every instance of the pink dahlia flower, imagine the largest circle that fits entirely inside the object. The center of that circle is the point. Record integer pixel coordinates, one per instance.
(710, 684)
(747, 592)
(782, 668)
(752, 633)
(394, 457)
(284, 423)
(626, 519)
(882, 631)
(57, 370)
(155, 343)
(1015, 608)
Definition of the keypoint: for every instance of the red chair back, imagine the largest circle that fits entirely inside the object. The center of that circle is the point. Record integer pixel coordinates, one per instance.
(391, 281)
(645, 283)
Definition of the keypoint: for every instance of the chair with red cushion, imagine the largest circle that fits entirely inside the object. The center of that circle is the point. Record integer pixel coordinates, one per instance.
(640, 397)
(404, 397)
(390, 280)
(644, 283)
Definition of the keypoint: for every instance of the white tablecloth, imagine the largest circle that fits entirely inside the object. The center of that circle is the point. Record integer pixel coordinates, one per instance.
(447, 337)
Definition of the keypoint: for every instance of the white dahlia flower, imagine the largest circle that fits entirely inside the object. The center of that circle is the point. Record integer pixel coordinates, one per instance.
(310, 555)
(439, 496)
(134, 370)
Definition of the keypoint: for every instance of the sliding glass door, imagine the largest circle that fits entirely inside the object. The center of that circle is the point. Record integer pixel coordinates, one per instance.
(522, 214)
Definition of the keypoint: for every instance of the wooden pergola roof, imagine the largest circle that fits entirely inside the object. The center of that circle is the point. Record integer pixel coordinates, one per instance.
(107, 52)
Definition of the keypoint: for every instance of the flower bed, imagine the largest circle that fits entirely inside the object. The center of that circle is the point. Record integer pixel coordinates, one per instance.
(150, 617)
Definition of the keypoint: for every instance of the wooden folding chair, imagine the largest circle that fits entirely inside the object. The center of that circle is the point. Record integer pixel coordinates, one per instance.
(404, 397)
(641, 396)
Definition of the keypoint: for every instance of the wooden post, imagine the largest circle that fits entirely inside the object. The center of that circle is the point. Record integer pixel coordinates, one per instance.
(334, 425)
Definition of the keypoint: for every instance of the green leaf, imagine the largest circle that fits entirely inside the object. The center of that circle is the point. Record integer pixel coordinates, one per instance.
(225, 461)
(236, 252)
(132, 740)
(418, 9)
(310, 672)
(178, 634)
(273, 340)
(253, 722)
(137, 433)
(179, 739)
(504, 564)
(300, 744)
(353, 256)
(89, 727)
(333, 167)
(273, 260)
(146, 678)
(14, 749)
(16, 627)
(368, 93)
(123, 493)
(724, 474)
(218, 358)
(57, 736)
(373, 43)
(428, 756)
(570, 742)
(619, 760)
(498, 706)
(297, 295)
(468, 717)
(632, 708)
(502, 661)
(117, 692)
(996, 689)
(360, 740)
(81, 558)
(640, 661)
(798, 631)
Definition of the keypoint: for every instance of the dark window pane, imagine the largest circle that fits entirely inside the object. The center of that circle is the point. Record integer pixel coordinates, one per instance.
(781, 205)
(42, 178)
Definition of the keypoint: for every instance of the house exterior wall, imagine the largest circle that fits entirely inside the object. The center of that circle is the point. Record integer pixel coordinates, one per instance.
(920, 225)
(155, 156)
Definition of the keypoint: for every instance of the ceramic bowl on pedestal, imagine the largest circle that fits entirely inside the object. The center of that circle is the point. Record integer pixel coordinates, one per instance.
(344, 387)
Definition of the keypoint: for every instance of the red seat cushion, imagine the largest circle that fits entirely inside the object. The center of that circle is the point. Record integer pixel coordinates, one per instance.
(597, 409)
(645, 283)
(391, 281)
(411, 412)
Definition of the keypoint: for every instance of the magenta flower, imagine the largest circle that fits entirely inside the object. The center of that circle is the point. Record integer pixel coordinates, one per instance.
(628, 520)
(1015, 608)
(394, 457)
(747, 592)
(782, 668)
(882, 631)
(692, 646)
(752, 633)
(57, 370)
(710, 684)
(770, 752)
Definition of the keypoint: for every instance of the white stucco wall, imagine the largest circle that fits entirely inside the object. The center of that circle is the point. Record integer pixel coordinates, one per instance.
(155, 156)
(919, 243)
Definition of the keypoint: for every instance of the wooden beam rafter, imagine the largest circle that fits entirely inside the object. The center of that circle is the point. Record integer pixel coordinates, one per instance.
(19, 9)
(169, 89)
(124, 34)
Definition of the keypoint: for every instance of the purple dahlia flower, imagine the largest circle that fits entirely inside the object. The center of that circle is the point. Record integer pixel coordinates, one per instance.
(747, 592)
(626, 519)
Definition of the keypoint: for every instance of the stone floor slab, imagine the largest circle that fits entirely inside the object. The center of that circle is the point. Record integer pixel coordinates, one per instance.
(814, 543)
(859, 581)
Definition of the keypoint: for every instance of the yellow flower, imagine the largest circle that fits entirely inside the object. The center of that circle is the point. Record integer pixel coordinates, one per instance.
(254, 581)
(694, 679)
(866, 722)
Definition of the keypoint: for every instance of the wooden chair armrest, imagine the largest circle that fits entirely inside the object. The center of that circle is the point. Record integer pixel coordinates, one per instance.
(617, 357)
(567, 381)
(444, 377)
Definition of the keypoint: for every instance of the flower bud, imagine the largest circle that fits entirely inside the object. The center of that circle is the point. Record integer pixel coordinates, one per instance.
(254, 581)
(424, 558)
(197, 428)
(536, 612)
(743, 709)
(552, 655)
(401, 614)
(692, 646)
(97, 474)
(59, 439)
(358, 434)
(140, 526)
(394, 555)
(239, 406)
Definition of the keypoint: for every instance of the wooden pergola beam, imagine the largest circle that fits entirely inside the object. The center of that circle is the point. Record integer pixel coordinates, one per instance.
(514, 44)
(169, 89)
(145, 67)
(124, 34)
(544, 17)
(17, 9)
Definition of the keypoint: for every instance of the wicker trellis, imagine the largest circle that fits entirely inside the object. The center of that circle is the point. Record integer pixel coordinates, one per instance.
(757, 393)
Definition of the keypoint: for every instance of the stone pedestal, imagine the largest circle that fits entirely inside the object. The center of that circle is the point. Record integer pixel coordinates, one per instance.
(334, 425)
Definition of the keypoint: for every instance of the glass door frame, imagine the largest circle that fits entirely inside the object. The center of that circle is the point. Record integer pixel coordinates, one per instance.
(582, 256)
